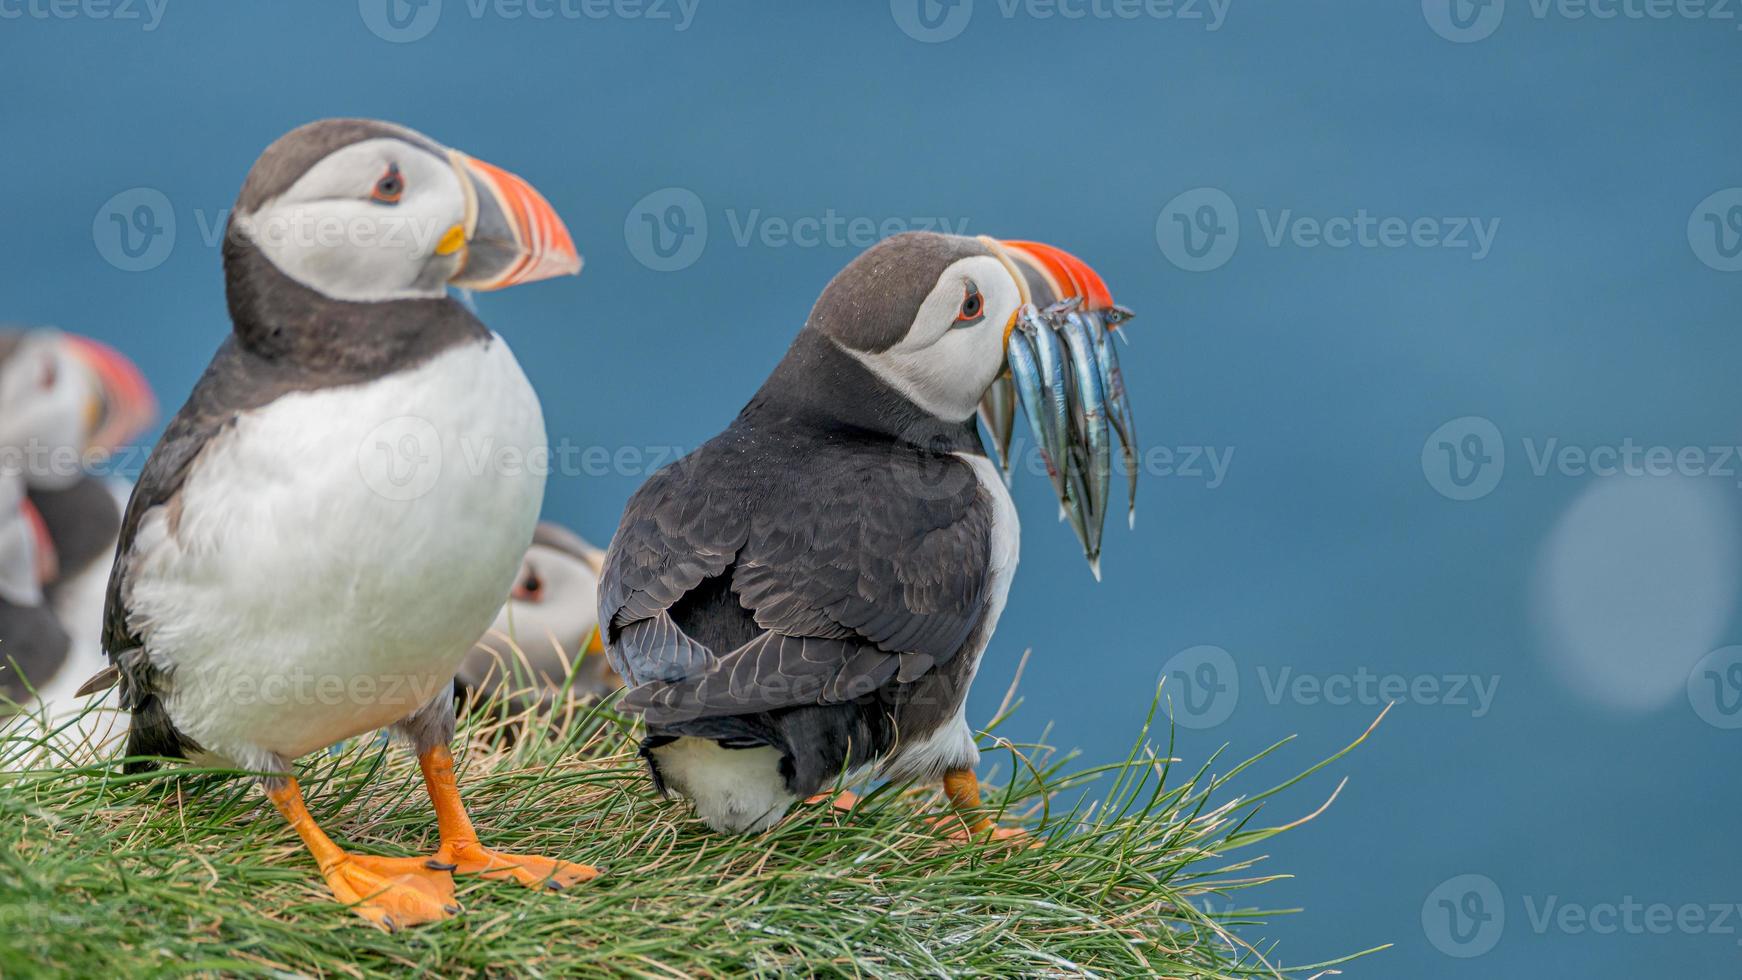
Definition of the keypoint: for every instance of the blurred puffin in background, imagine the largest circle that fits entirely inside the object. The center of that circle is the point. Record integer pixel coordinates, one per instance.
(34, 647)
(547, 631)
(67, 401)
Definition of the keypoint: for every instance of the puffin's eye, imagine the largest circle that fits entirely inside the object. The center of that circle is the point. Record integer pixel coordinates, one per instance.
(390, 187)
(973, 307)
(49, 374)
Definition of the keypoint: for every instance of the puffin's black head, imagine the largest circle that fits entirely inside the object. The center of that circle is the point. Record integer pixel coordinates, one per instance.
(930, 314)
(361, 210)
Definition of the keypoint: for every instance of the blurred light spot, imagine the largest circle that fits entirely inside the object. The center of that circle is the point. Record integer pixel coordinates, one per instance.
(1634, 585)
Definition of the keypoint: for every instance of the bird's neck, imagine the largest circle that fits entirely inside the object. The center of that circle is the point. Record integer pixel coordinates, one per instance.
(821, 387)
(281, 320)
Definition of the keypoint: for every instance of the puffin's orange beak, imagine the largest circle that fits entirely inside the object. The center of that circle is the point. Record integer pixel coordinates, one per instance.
(511, 235)
(125, 406)
(1064, 273)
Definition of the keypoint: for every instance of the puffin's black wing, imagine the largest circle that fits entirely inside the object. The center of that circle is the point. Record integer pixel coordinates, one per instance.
(775, 569)
(211, 406)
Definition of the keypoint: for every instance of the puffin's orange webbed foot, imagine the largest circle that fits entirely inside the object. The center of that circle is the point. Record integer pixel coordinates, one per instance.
(392, 900)
(460, 849)
(390, 892)
(473, 858)
(843, 801)
(963, 789)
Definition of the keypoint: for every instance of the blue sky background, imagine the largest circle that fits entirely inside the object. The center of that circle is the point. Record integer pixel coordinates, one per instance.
(1355, 394)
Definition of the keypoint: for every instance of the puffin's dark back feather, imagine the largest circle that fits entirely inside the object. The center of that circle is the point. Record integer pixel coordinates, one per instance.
(806, 578)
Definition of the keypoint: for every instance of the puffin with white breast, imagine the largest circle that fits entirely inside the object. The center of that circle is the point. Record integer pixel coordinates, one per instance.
(809, 593)
(310, 552)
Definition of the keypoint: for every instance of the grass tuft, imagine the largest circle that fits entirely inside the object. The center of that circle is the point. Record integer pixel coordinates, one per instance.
(188, 871)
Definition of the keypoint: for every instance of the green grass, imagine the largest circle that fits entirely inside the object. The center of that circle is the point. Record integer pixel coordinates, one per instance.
(187, 872)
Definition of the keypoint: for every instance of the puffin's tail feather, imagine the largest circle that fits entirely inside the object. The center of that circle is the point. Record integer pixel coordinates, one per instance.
(151, 734)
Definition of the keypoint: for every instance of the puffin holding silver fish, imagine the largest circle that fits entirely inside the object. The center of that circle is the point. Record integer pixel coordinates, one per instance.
(809, 593)
(298, 565)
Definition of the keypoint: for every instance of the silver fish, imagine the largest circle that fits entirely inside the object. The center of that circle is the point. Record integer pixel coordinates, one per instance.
(1119, 405)
(1091, 400)
(998, 412)
(1025, 376)
(1054, 379)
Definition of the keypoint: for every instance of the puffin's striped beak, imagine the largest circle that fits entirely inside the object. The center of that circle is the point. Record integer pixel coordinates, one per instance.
(1063, 274)
(123, 405)
(512, 234)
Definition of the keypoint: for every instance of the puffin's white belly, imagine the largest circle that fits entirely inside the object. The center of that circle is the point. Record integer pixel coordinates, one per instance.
(337, 552)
